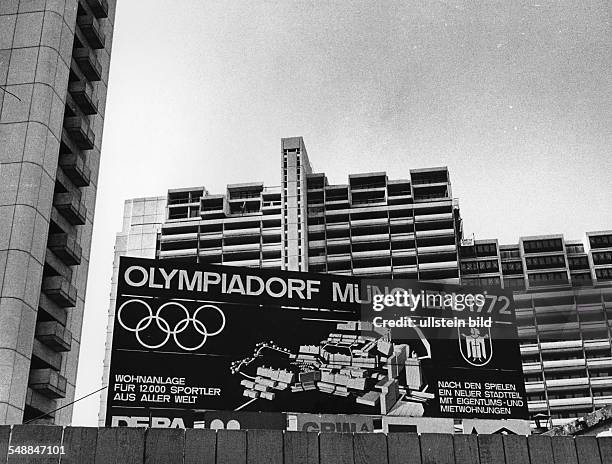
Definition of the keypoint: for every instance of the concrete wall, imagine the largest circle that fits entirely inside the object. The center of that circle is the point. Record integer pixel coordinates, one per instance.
(168, 446)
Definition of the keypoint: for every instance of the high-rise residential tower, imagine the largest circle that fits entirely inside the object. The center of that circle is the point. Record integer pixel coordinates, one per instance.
(54, 64)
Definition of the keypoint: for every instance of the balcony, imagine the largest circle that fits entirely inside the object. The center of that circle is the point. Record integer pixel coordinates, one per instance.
(180, 237)
(241, 247)
(80, 132)
(60, 290)
(316, 259)
(75, 167)
(374, 270)
(99, 8)
(54, 335)
(212, 212)
(88, 63)
(435, 233)
(369, 222)
(420, 217)
(41, 404)
(271, 263)
(245, 231)
(83, 95)
(438, 265)
(371, 187)
(48, 382)
(405, 269)
(371, 254)
(360, 201)
(71, 207)
(183, 253)
(65, 248)
(91, 30)
(242, 262)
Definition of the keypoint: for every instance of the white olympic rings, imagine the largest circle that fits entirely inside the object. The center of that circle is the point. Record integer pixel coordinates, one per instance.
(164, 326)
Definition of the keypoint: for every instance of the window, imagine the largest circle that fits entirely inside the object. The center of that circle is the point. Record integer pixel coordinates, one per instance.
(545, 262)
(545, 278)
(480, 267)
(603, 274)
(601, 241)
(514, 283)
(512, 267)
(532, 246)
(580, 262)
(486, 249)
(177, 213)
(573, 249)
(602, 257)
(514, 253)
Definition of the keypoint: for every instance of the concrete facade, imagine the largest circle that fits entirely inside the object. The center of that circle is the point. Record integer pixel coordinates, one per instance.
(54, 63)
(142, 219)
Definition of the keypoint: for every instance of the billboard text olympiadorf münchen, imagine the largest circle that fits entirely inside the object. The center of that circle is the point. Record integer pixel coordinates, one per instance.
(190, 338)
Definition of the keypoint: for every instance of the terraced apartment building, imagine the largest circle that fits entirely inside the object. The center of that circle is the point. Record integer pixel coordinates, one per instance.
(370, 226)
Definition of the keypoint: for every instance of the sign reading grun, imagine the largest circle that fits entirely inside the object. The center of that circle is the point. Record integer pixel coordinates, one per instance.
(190, 338)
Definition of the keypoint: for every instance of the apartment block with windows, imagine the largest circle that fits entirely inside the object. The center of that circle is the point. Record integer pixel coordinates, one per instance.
(564, 313)
(54, 64)
(600, 254)
(371, 226)
(376, 227)
(240, 228)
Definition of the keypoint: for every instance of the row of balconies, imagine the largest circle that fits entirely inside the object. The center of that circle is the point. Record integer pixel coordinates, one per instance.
(563, 365)
(51, 336)
(401, 211)
(217, 235)
(566, 404)
(579, 383)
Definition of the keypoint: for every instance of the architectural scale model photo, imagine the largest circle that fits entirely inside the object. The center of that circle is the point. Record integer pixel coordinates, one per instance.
(359, 361)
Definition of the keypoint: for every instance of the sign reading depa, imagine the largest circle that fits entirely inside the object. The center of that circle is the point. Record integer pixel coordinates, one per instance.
(189, 338)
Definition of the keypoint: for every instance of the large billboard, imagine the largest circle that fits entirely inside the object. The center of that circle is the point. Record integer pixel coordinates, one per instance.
(190, 338)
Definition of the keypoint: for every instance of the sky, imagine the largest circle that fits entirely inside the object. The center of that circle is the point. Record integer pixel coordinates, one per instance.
(515, 97)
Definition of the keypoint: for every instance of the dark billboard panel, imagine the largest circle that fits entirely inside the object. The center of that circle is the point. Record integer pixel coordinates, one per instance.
(191, 338)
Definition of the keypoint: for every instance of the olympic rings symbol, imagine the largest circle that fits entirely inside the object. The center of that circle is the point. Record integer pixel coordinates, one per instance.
(164, 326)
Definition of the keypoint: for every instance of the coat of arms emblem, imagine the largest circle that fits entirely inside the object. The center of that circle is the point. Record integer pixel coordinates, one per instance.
(476, 347)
